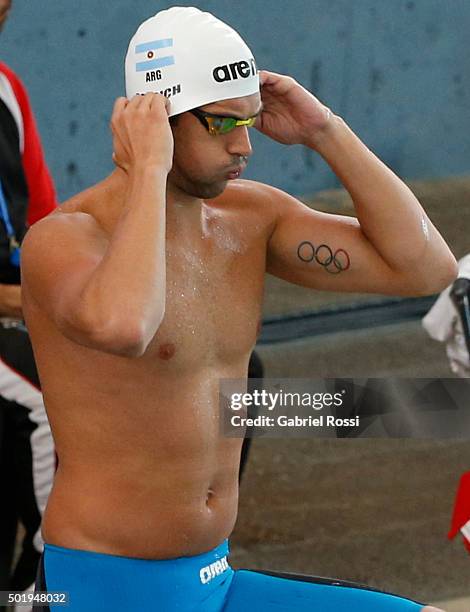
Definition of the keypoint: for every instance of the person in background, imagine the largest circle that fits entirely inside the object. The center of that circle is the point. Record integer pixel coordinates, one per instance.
(448, 321)
(27, 458)
(445, 323)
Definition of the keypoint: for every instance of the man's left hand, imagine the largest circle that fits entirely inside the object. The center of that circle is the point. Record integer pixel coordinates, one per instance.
(291, 114)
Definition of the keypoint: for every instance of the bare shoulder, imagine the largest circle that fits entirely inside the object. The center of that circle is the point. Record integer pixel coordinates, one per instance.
(57, 229)
(270, 201)
(60, 240)
(255, 199)
(69, 223)
(265, 197)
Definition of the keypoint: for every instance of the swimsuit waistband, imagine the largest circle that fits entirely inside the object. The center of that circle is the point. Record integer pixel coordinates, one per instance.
(198, 569)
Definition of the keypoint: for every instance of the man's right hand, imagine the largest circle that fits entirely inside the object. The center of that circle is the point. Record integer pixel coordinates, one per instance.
(142, 133)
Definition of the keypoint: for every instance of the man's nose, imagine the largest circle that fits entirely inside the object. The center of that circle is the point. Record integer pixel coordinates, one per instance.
(240, 144)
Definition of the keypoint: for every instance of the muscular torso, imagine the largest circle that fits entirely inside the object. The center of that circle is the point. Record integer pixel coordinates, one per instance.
(143, 470)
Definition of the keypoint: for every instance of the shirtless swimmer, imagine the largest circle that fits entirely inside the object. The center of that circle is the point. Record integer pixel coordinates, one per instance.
(145, 290)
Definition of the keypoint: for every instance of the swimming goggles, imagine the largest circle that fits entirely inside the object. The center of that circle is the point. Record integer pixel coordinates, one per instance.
(220, 124)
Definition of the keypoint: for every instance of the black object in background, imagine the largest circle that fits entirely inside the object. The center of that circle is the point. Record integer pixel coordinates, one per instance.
(460, 294)
(255, 370)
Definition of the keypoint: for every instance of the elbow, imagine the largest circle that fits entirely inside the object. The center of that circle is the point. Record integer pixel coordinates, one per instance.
(124, 336)
(438, 278)
(444, 275)
(451, 271)
(132, 340)
(127, 341)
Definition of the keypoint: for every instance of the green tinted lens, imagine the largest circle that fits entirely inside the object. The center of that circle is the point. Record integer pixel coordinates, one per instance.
(220, 125)
(231, 123)
(223, 125)
(227, 124)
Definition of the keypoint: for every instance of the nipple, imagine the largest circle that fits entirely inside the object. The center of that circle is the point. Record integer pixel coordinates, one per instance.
(166, 351)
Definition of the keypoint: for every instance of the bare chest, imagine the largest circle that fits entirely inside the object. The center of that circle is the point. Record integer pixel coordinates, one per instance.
(214, 292)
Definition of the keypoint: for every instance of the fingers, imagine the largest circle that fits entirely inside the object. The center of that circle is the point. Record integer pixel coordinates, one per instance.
(141, 130)
(277, 84)
(117, 162)
(140, 101)
(156, 101)
(118, 108)
(120, 104)
(167, 105)
(135, 102)
(269, 78)
(259, 122)
(150, 101)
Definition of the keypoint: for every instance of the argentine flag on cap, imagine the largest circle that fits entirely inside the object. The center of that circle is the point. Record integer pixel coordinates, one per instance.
(146, 53)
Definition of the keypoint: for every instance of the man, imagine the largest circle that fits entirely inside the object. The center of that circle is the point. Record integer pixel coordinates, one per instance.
(27, 458)
(145, 290)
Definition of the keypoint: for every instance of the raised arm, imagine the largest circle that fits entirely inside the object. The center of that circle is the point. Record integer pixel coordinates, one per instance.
(108, 292)
(392, 247)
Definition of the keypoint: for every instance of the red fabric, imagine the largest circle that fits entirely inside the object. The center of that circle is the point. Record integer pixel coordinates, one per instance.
(42, 197)
(461, 514)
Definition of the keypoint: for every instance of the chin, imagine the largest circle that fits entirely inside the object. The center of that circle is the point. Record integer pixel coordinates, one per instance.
(195, 188)
(207, 191)
(217, 189)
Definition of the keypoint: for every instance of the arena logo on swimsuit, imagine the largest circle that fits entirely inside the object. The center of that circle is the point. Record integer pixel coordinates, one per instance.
(214, 569)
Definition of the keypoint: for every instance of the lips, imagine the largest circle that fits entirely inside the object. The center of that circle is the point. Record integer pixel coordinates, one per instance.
(235, 173)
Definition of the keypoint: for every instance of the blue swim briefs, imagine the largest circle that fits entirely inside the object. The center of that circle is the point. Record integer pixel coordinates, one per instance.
(97, 582)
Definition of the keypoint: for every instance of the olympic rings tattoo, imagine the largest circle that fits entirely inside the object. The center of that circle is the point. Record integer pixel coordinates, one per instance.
(334, 263)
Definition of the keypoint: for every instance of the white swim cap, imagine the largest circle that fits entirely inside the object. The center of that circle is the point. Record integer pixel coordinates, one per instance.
(191, 57)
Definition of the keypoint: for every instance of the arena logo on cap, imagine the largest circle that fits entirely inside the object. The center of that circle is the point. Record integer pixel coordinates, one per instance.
(152, 62)
(231, 72)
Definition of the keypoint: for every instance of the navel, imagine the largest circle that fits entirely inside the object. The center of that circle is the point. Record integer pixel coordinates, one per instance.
(209, 496)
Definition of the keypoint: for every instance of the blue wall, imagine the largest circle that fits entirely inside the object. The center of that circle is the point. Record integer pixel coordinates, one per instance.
(398, 71)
